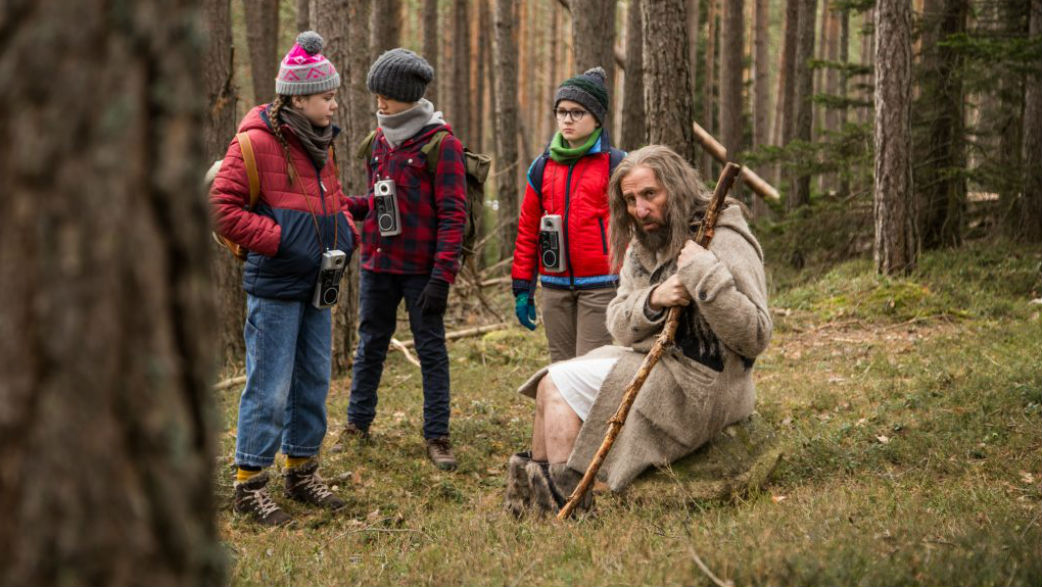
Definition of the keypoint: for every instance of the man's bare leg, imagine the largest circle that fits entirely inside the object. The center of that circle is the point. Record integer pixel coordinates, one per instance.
(556, 425)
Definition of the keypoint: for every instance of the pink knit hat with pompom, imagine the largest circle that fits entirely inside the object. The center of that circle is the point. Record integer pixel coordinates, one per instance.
(305, 70)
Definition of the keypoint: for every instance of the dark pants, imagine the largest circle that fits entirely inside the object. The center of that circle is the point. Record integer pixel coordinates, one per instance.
(379, 298)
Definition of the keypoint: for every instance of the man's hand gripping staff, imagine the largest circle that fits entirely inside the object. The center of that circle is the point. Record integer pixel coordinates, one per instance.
(664, 341)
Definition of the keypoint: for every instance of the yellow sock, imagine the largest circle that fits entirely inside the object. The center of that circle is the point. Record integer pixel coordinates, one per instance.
(296, 461)
(244, 474)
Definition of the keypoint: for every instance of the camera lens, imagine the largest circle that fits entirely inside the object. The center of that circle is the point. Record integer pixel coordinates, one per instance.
(549, 259)
(330, 295)
(386, 222)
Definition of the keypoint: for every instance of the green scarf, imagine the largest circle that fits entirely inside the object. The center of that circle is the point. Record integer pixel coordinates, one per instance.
(562, 153)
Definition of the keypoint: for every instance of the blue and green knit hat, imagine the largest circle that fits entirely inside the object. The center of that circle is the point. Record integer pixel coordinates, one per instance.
(588, 89)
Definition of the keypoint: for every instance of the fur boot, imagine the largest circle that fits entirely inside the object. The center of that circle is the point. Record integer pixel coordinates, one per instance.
(519, 493)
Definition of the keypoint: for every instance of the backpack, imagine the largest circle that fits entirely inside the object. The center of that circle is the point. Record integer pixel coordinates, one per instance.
(253, 177)
(475, 166)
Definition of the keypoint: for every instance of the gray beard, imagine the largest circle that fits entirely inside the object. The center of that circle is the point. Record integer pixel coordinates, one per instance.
(653, 241)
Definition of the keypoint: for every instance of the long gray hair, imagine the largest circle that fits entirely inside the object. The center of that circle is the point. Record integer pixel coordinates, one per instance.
(688, 198)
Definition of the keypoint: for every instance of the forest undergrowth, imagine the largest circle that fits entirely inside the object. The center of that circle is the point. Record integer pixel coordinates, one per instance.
(908, 412)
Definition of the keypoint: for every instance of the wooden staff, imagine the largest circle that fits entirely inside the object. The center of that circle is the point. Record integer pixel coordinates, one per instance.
(664, 340)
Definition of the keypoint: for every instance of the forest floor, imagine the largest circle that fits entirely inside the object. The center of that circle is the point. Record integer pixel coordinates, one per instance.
(908, 411)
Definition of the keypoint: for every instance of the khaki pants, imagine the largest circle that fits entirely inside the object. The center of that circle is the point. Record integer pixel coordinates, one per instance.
(575, 320)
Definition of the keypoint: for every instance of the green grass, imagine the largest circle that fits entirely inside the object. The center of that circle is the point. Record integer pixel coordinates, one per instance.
(909, 411)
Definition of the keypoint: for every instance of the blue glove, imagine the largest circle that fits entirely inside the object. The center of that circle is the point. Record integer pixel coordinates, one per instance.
(524, 307)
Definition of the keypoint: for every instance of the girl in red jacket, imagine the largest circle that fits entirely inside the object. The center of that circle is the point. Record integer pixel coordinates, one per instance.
(562, 236)
(299, 225)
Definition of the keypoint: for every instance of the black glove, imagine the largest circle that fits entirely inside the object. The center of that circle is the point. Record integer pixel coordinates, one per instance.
(433, 299)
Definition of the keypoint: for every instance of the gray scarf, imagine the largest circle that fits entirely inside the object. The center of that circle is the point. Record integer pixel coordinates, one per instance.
(316, 140)
(400, 127)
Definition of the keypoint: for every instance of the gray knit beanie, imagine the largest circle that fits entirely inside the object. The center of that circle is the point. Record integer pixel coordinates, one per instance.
(587, 89)
(399, 74)
(305, 70)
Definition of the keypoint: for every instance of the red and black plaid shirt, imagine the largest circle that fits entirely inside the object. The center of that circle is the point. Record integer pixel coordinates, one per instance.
(432, 208)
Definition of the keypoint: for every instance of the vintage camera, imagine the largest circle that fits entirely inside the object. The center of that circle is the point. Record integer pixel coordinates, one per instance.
(385, 197)
(551, 243)
(327, 289)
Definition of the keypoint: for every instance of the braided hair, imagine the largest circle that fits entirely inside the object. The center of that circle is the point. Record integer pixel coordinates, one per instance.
(274, 114)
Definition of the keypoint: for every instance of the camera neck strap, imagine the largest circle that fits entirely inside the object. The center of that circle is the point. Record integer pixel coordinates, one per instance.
(314, 217)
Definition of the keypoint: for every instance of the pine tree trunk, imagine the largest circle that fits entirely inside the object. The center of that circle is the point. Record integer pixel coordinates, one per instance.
(667, 79)
(761, 88)
(709, 84)
(386, 27)
(476, 105)
(506, 119)
(803, 106)
(106, 306)
(633, 117)
(226, 270)
(731, 66)
(262, 35)
(430, 46)
(303, 15)
(554, 14)
(784, 123)
(694, 25)
(1029, 208)
(844, 58)
(868, 44)
(896, 244)
(459, 111)
(593, 37)
(939, 115)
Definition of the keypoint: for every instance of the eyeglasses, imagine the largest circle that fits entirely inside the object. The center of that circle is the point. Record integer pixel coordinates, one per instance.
(575, 115)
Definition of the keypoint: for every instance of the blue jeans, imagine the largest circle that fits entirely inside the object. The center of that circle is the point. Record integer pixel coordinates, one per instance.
(283, 406)
(379, 298)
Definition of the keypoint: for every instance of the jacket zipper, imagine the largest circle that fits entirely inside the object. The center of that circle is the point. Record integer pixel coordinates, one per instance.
(604, 238)
(567, 209)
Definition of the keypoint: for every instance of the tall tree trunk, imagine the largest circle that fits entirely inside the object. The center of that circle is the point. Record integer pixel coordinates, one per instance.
(385, 28)
(303, 15)
(709, 84)
(593, 37)
(761, 87)
(731, 67)
(476, 83)
(262, 36)
(784, 123)
(633, 118)
(868, 26)
(505, 50)
(1029, 208)
(830, 84)
(667, 80)
(896, 245)
(554, 13)
(225, 269)
(106, 304)
(803, 106)
(844, 58)
(430, 45)
(460, 71)
(694, 25)
(939, 114)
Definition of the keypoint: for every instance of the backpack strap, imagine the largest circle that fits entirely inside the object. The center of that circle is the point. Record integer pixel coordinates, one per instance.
(251, 166)
(615, 156)
(432, 151)
(366, 146)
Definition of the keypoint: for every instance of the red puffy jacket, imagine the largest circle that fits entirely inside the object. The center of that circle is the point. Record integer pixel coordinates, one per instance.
(579, 194)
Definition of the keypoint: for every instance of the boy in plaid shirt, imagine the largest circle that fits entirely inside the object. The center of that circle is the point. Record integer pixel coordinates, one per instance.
(421, 262)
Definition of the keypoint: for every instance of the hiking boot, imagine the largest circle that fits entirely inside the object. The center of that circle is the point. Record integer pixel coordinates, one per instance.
(550, 487)
(303, 484)
(252, 499)
(351, 433)
(440, 452)
(519, 493)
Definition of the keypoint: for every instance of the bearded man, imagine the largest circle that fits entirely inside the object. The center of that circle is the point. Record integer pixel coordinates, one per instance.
(699, 387)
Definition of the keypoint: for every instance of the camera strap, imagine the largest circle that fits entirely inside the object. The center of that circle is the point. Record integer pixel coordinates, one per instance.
(314, 217)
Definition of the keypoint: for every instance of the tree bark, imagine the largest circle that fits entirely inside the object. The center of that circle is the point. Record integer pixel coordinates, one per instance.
(693, 29)
(709, 83)
(787, 77)
(1029, 209)
(303, 15)
(430, 45)
(507, 163)
(896, 245)
(667, 79)
(106, 306)
(761, 87)
(803, 106)
(867, 59)
(385, 28)
(939, 114)
(461, 91)
(226, 270)
(633, 117)
(731, 67)
(593, 38)
(262, 36)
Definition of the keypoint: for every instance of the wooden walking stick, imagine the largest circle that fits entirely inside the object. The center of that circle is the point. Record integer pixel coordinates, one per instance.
(664, 341)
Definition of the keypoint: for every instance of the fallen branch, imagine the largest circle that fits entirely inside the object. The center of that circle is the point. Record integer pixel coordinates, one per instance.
(405, 351)
(718, 152)
(227, 383)
(465, 332)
